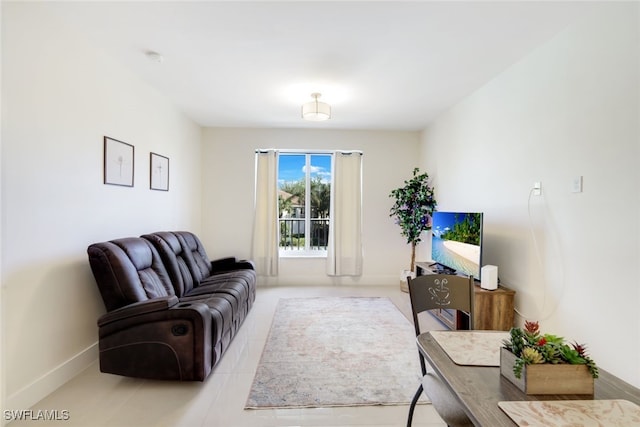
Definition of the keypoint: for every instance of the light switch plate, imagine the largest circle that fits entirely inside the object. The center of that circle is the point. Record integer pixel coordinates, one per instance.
(576, 184)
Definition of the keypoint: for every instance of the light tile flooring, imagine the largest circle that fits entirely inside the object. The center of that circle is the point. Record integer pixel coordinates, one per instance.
(96, 399)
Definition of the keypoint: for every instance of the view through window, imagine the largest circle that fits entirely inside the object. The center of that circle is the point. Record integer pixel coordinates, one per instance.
(304, 221)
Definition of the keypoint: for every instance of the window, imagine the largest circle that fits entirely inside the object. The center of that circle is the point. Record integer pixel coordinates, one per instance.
(304, 221)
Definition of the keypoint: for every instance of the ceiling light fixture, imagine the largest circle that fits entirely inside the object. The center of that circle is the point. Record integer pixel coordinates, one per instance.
(154, 56)
(315, 110)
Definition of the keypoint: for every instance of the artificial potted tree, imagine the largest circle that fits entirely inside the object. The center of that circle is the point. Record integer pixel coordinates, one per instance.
(413, 207)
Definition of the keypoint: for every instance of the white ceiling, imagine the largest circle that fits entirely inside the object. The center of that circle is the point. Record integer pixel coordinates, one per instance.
(381, 65)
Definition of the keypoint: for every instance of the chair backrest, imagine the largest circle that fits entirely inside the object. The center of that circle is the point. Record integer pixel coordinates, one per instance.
(441, 291)
(128, 270)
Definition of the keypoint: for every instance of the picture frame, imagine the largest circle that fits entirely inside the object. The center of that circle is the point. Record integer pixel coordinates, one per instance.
(118, 162)
(158, 172)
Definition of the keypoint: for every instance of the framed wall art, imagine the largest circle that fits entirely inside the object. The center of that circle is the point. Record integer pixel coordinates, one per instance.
(118, 162)
(159, 172)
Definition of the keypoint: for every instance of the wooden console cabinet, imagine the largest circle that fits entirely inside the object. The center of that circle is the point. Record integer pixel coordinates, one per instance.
(493, 309)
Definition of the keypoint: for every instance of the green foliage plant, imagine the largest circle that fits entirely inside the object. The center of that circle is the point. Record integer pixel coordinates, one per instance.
(414, 204)
(320, 196)
(530, 346)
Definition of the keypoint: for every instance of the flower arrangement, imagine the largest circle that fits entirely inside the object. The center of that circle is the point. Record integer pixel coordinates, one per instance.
(413, 207)
(530, 347)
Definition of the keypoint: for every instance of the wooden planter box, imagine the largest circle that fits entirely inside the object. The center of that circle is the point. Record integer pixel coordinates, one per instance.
(547, 378)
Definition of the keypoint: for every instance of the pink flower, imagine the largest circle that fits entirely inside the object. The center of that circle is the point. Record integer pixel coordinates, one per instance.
(531, 327)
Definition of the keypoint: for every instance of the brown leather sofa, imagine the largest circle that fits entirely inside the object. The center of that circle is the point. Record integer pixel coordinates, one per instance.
(171, 312)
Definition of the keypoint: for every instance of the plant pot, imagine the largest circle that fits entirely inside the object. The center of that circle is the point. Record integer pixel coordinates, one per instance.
(404, 285)
(547, 378)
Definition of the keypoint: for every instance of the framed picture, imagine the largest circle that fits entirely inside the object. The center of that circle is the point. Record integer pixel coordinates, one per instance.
(159, 172)
(118, 162)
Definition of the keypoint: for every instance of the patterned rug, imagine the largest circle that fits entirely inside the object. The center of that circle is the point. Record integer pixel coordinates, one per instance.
(342, 351)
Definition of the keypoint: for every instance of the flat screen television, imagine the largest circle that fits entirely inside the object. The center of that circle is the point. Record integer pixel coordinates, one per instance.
(456, 243)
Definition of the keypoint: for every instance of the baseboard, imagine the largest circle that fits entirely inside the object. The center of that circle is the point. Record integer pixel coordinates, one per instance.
(31, 394)
(308, 280)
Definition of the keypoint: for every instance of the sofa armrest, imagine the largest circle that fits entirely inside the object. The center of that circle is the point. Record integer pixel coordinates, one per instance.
(223, 264)
(174, 343)
(230, 264)
(246, 264)
(138, 308)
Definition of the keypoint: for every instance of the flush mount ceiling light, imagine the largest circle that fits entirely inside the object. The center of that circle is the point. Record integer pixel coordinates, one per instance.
(315, 110)
(154, 56)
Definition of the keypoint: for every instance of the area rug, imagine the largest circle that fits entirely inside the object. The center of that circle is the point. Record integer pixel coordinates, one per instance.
(339, 351)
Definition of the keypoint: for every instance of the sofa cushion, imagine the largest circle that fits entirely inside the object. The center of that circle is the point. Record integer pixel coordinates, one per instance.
(221, 310)
(183, 271)
(178, 262)
(127, 271)
(151, 271)
(201, 266)
(233, 292)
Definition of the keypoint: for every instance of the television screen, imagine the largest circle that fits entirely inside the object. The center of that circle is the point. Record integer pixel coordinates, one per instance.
(456, 242)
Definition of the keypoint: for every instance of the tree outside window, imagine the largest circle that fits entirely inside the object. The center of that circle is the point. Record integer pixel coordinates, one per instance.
(304, 221)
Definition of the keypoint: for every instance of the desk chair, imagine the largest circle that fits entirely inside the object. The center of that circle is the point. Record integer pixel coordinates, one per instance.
(440, 291)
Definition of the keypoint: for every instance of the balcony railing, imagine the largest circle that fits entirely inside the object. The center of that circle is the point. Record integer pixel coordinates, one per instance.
(292, 233)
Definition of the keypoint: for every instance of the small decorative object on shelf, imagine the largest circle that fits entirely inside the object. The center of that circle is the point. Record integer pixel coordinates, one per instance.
(544, 364)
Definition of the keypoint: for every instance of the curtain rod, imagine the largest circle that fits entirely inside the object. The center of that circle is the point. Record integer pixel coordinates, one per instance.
(266, 150)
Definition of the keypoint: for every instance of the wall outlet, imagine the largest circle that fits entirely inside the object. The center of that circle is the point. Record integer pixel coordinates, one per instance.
(537, 188)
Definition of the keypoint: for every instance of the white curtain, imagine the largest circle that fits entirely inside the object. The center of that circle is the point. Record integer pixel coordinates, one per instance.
(265, 224)
(344, 254)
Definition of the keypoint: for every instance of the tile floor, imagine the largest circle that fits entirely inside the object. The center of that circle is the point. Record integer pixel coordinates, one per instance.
(96, 399)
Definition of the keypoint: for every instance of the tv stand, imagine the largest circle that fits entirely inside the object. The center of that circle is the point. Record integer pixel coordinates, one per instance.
(493, 309)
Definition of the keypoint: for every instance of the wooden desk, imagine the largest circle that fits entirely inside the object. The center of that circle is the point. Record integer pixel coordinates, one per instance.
(494, 310)
(479, 389)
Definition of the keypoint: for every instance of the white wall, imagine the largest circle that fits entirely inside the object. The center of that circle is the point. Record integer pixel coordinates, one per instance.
(60, 97)
(571, 108)
(228, 171)
(3, 388)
